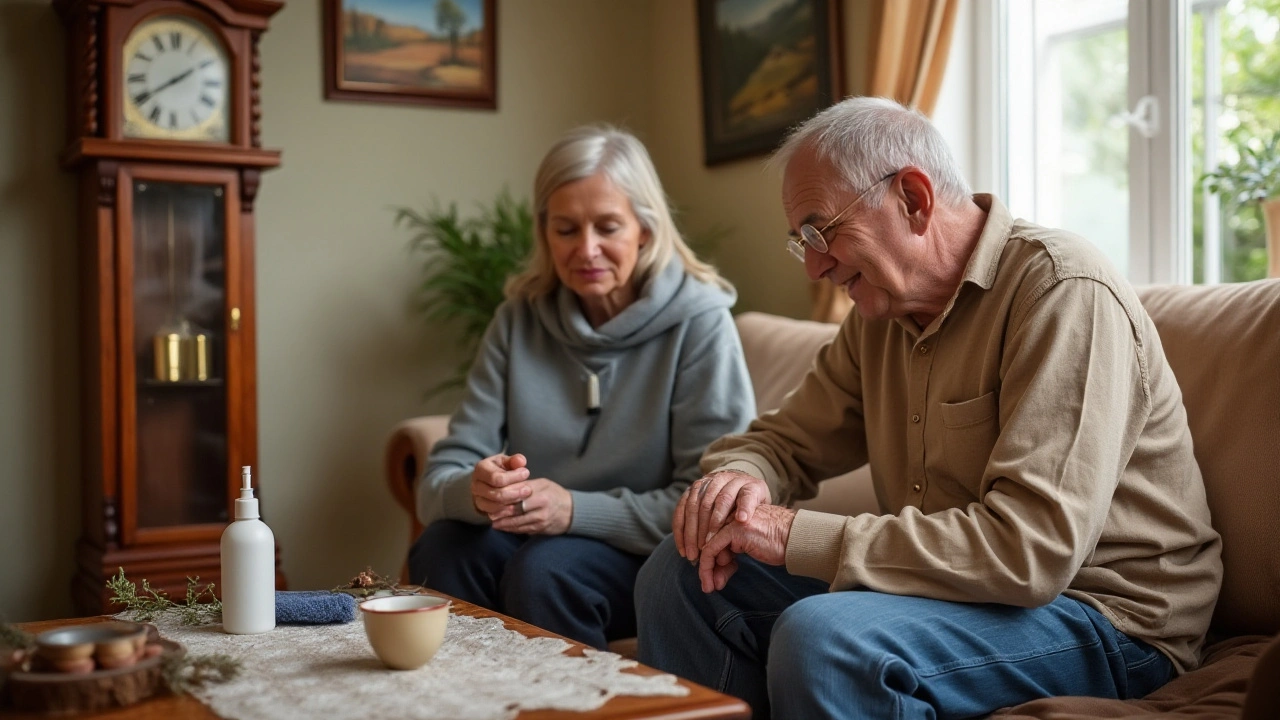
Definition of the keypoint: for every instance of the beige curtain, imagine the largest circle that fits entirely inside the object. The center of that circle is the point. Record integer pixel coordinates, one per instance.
(907, 63)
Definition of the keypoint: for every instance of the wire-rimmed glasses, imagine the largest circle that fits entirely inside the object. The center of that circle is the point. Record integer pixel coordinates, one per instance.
(812, 236)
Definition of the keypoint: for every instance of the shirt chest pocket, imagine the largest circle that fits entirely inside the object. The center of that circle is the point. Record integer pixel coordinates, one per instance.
(969, 432)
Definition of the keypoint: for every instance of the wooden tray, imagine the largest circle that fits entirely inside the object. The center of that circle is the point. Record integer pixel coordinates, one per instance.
(61, 693)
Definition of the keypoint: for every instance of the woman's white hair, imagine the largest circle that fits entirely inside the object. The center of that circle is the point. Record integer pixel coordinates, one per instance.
(865, 138)
(622, 158)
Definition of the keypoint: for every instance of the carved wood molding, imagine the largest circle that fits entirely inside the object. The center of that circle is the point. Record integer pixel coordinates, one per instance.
(107, 184)
(89, 99)
(255, 92)
(110, 513)
(249, 181)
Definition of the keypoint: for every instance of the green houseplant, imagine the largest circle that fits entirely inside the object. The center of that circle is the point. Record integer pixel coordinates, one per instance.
(1255, 177)
(467, 260)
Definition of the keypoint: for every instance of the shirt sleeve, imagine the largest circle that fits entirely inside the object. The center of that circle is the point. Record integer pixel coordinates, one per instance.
(476, 430)
(711, 397)
(819, 432)
(1073, 399)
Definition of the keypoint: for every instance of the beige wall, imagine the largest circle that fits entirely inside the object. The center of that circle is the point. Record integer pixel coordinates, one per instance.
(341, 356)
(740, 198)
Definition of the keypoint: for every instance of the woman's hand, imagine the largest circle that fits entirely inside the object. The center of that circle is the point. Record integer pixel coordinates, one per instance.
(546, 510)
(706, 505)
(497, 482)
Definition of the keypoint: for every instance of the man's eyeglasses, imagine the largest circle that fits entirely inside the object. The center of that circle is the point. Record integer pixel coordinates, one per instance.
(812, 236)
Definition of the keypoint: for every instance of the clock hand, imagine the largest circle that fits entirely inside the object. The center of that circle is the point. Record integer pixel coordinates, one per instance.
(172, 81)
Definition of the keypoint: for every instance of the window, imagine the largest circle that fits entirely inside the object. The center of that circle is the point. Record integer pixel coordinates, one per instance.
(1112, 109)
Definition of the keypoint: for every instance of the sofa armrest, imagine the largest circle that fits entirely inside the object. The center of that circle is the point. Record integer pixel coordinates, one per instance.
(406, 457)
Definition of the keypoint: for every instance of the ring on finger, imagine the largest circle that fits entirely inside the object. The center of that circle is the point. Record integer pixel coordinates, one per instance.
(520, 508)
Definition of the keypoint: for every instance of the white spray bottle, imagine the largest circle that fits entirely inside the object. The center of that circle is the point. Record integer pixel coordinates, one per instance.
(248, 568)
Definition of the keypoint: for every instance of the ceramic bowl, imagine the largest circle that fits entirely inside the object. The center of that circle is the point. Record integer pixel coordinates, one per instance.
(112, 644)
(405, 630)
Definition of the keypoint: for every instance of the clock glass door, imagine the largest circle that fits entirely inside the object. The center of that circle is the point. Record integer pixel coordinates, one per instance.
(180, 353)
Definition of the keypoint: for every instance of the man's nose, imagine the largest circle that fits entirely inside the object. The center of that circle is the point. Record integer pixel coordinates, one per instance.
(817, 264)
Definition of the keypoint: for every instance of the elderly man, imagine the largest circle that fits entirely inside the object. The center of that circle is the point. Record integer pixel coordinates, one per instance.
(1043, 526)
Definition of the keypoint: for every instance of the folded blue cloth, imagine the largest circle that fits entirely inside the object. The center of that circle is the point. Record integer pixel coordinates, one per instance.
(314, 607)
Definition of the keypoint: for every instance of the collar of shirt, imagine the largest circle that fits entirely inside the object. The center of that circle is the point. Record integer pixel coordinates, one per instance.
(983, 263)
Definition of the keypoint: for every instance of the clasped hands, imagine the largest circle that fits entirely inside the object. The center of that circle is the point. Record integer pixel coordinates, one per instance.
(724, 514)
(502, 490)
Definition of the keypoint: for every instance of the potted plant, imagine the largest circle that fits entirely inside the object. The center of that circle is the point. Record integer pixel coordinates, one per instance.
(467, 262)
(1255, 177)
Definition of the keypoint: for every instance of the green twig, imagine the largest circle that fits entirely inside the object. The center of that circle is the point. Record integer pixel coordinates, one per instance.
(15, 639)
(146, 604)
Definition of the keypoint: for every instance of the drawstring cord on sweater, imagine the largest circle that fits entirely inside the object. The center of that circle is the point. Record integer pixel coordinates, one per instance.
(593, 409)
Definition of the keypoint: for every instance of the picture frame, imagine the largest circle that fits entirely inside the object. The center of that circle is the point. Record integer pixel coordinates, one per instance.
(766, 65)
(417, 52)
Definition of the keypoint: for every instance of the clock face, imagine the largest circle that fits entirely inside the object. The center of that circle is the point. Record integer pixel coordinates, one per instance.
(176, 82)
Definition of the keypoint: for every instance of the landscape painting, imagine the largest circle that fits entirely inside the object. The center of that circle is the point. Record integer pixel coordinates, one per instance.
(766, 65)
(434, 52)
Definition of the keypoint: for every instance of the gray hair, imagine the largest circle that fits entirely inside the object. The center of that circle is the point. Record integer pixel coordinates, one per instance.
(586, 151)
(864, 138)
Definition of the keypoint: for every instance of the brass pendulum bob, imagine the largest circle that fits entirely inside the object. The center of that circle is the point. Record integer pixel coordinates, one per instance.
(195, 356)
(168, 349)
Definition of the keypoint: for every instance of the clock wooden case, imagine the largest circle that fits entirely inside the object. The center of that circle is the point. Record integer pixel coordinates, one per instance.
(164, 134)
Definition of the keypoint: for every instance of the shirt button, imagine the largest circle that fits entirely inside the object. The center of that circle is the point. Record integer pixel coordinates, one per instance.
(915, 418)
(916, 487)
(924, 349)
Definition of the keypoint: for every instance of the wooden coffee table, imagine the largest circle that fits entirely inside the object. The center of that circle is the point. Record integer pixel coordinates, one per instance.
(701, 703)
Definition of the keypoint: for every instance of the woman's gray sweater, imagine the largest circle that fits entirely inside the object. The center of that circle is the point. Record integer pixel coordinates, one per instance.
(671, 379)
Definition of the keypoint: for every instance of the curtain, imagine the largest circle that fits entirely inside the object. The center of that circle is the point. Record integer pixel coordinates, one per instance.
(908, 58)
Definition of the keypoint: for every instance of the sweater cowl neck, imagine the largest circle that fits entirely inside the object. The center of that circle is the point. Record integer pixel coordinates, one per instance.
(670, 297)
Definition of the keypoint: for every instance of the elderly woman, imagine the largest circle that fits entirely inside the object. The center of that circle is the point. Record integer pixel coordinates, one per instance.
(612, 364)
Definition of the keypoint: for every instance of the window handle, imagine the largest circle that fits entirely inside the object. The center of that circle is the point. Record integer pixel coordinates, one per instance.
(235, 319)
(1145, 117)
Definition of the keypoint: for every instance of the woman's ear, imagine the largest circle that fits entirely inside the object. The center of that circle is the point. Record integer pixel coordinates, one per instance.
(918, 200)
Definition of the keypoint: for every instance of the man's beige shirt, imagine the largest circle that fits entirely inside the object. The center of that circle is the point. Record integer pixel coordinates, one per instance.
(1030, 442)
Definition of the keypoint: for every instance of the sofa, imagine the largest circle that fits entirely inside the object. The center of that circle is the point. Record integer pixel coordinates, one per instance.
(1223, 343)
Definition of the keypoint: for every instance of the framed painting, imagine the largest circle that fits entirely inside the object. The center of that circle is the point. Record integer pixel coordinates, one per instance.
(766, 65)
(426, 52)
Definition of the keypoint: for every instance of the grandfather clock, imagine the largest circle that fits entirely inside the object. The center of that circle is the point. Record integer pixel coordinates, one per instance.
(164, 134)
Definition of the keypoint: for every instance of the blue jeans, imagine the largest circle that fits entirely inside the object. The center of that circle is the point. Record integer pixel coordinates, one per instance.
(575, 586)
(789, 647)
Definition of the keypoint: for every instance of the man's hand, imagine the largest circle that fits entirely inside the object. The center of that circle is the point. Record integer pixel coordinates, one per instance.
(497, 482)
(763, 537)
(547, 510)
(705, 507)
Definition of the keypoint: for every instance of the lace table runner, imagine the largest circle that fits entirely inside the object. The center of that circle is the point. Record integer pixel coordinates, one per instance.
(482, 671)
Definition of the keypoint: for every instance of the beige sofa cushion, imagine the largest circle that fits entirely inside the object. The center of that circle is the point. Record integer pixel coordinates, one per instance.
(779, 351)
(1217, 691)
(1223, 343)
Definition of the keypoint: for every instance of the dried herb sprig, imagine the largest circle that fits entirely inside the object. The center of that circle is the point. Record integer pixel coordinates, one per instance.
(146, 604)
(13, 638)
(369, 582)
(187, 673)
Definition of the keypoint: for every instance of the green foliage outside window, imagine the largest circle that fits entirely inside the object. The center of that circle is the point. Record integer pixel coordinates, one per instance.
(1250, 113)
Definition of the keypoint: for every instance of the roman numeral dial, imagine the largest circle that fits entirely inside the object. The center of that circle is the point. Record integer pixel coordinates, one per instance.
(176, 81)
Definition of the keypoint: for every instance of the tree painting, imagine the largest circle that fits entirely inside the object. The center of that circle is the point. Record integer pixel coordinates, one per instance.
(414, 43)
(450, 19)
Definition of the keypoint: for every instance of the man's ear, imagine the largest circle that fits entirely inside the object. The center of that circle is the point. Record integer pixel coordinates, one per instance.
(917, 195)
